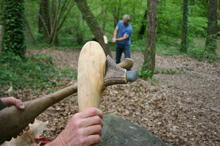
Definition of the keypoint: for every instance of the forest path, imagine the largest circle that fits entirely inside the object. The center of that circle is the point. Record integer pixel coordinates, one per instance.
(181, 104)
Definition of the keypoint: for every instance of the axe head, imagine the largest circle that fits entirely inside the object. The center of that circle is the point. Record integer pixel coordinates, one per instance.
(116, 74)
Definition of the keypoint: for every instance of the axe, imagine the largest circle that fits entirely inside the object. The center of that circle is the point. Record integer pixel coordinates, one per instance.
(95, 72)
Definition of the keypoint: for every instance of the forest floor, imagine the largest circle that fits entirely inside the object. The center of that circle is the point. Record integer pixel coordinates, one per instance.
(181, 104)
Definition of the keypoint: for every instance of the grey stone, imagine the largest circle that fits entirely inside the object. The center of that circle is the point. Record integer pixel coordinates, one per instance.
(120, 132)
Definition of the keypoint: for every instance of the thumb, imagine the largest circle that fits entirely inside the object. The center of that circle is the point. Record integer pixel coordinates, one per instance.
(19, 104)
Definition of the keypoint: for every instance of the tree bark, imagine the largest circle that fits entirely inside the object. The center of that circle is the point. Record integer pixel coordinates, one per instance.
(211, 43)
(93, 24)
(184, 39)
(44, 18)
(1, 36)
(143, 25)
(149, 53)
(13, 23)
(116, 12)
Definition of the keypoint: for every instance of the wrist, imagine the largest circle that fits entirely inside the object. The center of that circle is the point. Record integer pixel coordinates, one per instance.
(57, 142)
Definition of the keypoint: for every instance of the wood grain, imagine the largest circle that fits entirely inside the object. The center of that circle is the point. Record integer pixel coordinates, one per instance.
(91, 72)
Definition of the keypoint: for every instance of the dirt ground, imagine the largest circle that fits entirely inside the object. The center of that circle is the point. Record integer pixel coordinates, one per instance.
(181, 104)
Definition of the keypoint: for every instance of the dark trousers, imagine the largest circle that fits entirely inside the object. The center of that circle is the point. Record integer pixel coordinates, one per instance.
(122, 49)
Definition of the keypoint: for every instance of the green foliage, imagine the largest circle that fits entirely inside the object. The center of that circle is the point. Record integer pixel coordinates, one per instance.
(75, 31)
(145, 74)
(36, 72)
(169, 18)
(13, 22)
(202, 54)
(197, 26)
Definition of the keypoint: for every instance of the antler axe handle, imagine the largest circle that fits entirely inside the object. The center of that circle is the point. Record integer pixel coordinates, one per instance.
(103, 73)
(13, 121)
(91, 72)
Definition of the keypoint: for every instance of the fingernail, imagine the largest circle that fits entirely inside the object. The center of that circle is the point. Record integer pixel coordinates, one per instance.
(21, 106)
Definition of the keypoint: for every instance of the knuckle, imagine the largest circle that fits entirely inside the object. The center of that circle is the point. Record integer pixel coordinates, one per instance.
(98, 119)
(75, 116)
(79, 132)
(98, 138)
(83, 141)
(99, 127)
(93, 110)
(77, 123)
(11, 97)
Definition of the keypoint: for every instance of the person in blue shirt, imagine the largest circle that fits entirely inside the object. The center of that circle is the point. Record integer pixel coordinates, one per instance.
(122, 38)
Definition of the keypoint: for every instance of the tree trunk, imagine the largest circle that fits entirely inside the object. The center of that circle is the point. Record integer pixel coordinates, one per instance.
(44, 19)
(93, 24)
(29, 32)
(149, 54)
(52, 16)
(116, 12)
(13, 23)
(143, 25)
(1, 11)
(211, 43)
(184, 39)
(1, 30)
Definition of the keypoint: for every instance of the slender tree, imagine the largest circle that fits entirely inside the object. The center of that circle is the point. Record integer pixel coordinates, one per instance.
(93, 24)
(52, 15)
(218, 29)
(211, 43)
(143, 25)
(1, 29)
(44, 19)
(184, 39)
(117, 11)
(149, 53)
(13, 23)
(1, 8)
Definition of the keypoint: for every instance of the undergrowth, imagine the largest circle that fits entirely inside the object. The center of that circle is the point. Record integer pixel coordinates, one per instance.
(202, 55)
(34, 72)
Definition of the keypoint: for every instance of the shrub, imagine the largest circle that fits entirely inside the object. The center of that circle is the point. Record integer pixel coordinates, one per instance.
(201, 54)
(145, 74)
(33, 72)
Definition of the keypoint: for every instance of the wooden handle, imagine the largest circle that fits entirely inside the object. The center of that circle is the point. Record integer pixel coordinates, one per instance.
(91, 71)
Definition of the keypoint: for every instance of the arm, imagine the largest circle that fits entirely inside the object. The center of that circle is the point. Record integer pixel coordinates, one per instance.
(122, 38)
(115, 34)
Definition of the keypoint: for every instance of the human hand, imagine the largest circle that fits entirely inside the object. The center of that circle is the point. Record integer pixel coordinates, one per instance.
(83, 129)
(113, 40)
(13, 101)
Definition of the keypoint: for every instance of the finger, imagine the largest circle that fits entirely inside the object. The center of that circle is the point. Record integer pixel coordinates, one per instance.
(95, 120)
(93, 139)
(92, 130)
(19, 104)
(90, 112)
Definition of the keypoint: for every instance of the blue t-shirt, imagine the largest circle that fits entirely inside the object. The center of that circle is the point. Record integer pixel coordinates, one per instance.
(122, 30)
